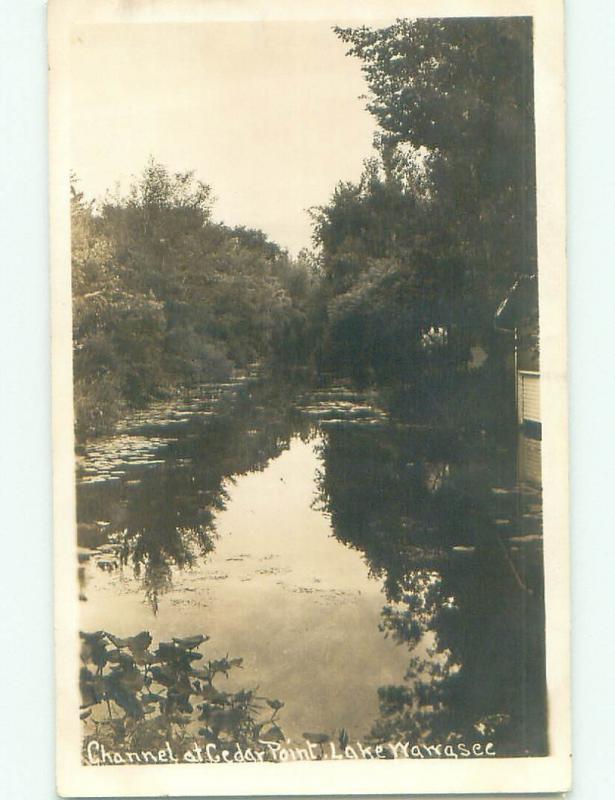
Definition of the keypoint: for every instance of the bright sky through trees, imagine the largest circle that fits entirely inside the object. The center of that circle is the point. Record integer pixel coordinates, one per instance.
(267, 113)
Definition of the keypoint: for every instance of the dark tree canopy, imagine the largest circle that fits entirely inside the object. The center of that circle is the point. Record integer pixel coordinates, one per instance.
(418, 254)
(462, 89)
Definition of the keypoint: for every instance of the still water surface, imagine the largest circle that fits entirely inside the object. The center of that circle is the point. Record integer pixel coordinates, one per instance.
(375, 577)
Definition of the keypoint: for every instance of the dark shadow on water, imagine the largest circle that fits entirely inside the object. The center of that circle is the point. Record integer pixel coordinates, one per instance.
(442, 521)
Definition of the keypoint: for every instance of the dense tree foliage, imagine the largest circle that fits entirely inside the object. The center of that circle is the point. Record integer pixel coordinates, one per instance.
(410, 262)
(420, 251)
(164, 297)
(462, 90)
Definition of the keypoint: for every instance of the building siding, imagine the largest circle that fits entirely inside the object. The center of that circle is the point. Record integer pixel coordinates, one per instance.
(528, 396)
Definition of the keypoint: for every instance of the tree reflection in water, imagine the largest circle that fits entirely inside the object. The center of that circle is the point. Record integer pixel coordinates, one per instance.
(166, 518)
(418, 711)
(421, 506)
(154, 551)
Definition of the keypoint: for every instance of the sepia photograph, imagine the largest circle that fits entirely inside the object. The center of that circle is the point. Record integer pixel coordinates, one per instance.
(309, 399)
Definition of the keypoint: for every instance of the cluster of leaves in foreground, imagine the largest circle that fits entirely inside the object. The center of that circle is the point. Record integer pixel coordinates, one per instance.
(139, 698)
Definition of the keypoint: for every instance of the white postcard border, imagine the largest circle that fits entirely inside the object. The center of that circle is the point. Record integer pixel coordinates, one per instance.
(512, 775)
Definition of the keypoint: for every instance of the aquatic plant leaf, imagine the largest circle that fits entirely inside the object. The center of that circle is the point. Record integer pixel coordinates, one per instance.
(191, 656)
(94, 648)
(141, 641)
(117, 642)
(152, 697)
(137, 645)
(131, 678)
(225, 720)
(244, 696)
(212, 695)
(90, 638)
(118, 657)
(90, 687)
(178, 698)
(224, 665)
(181, 658)
(123, 694)
(208, 735)
(202, 674)
(273, 734)
(164, 674)
(168, 651)
(191, 641)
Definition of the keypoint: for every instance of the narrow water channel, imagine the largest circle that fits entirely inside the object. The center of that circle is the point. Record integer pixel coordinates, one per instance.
(372, 577)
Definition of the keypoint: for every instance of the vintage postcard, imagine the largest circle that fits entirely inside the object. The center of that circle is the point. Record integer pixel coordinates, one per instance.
(310, 415)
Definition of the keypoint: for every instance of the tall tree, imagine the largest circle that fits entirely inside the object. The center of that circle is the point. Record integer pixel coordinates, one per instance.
(418, 254)
(459, 92)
